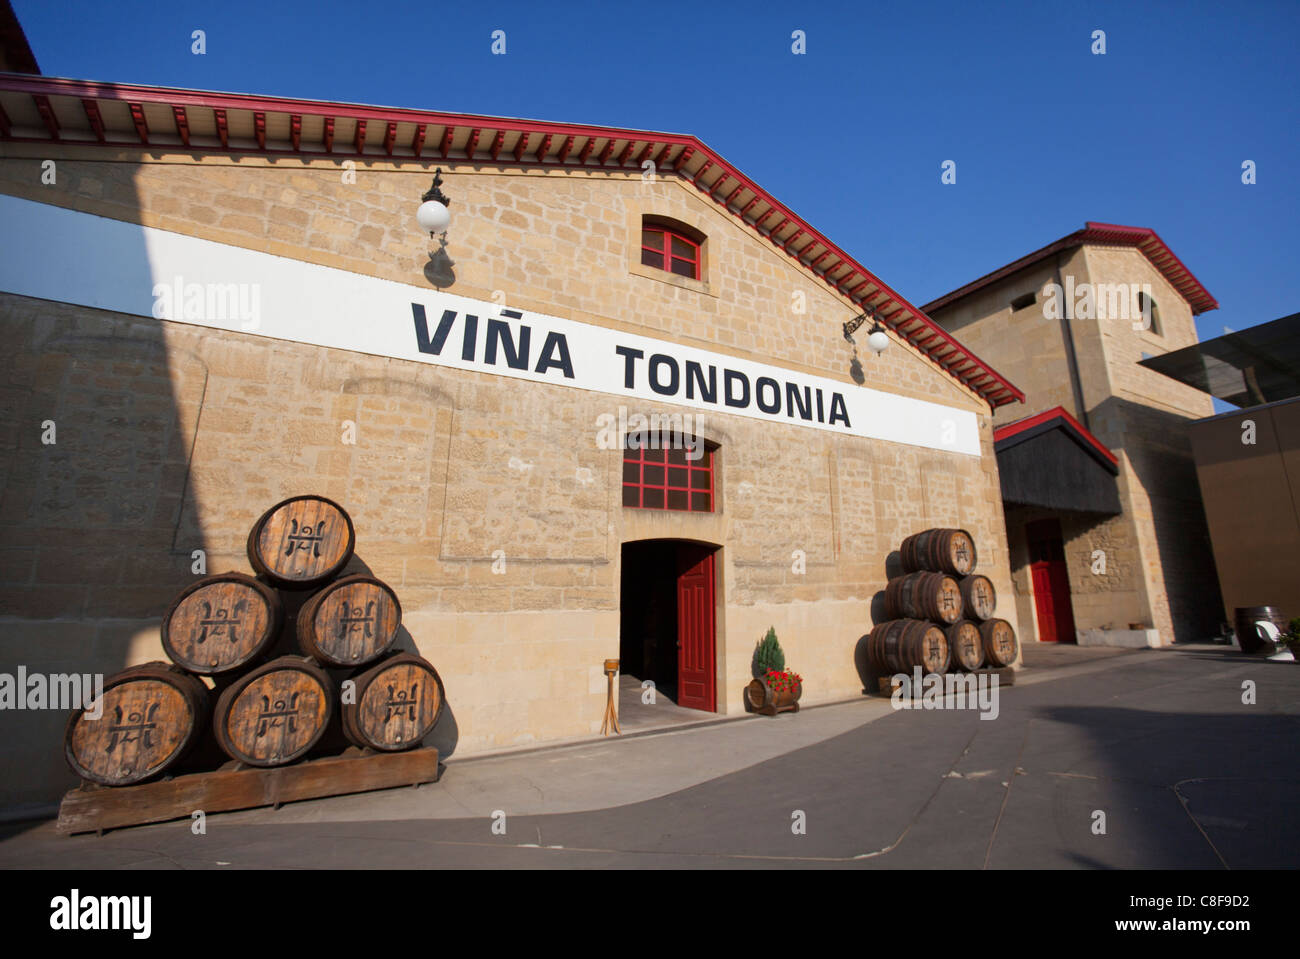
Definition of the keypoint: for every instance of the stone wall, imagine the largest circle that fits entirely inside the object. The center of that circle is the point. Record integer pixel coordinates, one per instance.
(1160, 572)
(174, 438)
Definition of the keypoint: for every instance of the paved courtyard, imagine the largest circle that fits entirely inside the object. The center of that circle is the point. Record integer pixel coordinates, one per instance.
(1158, 742)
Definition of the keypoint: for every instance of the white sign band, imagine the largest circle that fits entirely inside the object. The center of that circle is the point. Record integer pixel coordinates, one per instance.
(73, 257)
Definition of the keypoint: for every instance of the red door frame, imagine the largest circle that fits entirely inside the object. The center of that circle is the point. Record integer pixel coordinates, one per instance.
(1051, 582)
(696, 628)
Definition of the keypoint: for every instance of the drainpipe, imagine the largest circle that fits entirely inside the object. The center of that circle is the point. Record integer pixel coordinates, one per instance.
(1067, 335)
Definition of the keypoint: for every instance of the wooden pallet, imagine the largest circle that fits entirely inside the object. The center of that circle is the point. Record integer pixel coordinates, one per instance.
(92, 808)
(1006, 677)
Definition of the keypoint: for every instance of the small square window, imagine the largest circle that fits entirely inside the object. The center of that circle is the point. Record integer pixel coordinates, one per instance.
(664, 477)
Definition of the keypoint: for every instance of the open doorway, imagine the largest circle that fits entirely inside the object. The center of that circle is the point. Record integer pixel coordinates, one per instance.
(667, 632)
(1051, 582)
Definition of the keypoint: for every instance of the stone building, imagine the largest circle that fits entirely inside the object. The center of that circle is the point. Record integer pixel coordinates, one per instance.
(212, 302)
(1105, 523)
(1248, 460)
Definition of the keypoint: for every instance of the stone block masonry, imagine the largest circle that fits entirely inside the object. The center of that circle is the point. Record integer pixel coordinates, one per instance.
(487, 503)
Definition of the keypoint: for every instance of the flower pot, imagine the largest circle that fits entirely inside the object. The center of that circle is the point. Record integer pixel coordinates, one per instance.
(763, 698)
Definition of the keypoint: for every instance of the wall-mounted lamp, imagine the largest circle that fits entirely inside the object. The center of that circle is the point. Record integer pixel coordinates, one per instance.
(877, 338)
(433, 214)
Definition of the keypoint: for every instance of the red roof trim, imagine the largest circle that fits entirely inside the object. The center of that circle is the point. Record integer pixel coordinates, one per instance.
(1144, 240)
(141, 127)
(182, 124)
(1056, 412)
(92, 116)
(685, 147)
(47, 114)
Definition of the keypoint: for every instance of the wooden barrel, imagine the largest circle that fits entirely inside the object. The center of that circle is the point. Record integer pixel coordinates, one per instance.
(351, 622)
(275, 713)
(762, 698)
(394, 704)
(152, 715)
(979, 599)
(966, 644)
(999, 642)
(302, 542)
(1249, 636)
(949, 551)
(900, 645)
(221, 623)
(923, 596)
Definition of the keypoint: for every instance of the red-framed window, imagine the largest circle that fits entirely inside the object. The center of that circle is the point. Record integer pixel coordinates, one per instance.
(669, 479)
(668, 249)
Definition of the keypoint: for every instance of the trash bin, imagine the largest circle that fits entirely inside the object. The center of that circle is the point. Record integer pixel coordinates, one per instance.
(1251, 623)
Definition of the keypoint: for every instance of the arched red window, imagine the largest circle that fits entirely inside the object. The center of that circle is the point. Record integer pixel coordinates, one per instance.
(668, 248)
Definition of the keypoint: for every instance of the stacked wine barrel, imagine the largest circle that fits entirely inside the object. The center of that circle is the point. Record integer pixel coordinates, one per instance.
(940, 611)
(265, 709)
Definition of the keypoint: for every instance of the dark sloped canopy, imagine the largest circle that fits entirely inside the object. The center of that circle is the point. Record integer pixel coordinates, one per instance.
(1258, 365)
(1050, 460)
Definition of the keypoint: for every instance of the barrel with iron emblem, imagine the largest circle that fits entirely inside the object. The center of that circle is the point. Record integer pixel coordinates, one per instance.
(901, 645)
(221, 623)
(276, 713)
(999, 642)
(923, 596)
(351, 622)
(966, 644)
(950, 551)
(394, 704)
(147, 719)
(979, 599)
(302, 542)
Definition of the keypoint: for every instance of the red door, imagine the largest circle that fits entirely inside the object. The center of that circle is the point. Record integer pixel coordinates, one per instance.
(695, 628)
(1051, 582)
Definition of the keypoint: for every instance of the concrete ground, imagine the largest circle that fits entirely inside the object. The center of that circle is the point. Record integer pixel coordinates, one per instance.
(636, 715)
(1132, 758)
(1054, 655)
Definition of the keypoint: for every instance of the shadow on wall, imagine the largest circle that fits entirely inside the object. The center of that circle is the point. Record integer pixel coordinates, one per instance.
(893, 567)
(444, 736)
(1163, 465)
(96, 525)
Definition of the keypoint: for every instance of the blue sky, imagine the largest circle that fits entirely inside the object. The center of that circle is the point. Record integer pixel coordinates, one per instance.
(852, 134)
